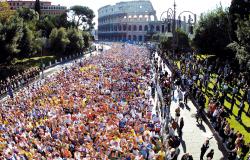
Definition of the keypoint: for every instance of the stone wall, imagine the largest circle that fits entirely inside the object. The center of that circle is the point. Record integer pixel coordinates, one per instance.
(130, 21)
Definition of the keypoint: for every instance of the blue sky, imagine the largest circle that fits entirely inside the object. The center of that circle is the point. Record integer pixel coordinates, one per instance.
(196, 6)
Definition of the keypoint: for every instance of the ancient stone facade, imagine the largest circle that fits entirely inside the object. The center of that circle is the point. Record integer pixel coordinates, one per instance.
(132, 20)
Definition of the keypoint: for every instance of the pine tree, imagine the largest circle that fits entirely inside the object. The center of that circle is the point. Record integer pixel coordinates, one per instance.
(238, 10)
(38, 7)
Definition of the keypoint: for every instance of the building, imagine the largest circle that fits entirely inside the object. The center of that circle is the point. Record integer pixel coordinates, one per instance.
(94, 33)
(46, 6)
(131, 21)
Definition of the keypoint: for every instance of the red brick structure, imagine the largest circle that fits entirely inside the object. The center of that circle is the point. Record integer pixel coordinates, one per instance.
(46, 6)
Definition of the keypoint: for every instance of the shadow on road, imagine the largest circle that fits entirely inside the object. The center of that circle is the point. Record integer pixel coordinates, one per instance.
(201, 127)
(183, 144)
(187, 107)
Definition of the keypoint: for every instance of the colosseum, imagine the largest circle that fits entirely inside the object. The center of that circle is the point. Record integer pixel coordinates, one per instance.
(130, 21)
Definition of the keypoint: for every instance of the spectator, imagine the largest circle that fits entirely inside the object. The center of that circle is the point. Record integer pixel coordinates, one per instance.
(242, 106)
(248, 100)
(244, 150)
(202, 100)
(248, 157)
(199, 115)
(226, 82)
(187, 156)
(172, 154)
(215, 114)
(234, 92)
(210, 155)
(181, 127)
(204, 148)
(186, 97)
(177, 114)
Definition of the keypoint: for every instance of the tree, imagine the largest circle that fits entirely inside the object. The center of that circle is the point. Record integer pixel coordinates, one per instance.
(10, 35)
(182, 41)
(239, 9)
(58, 40)
(76, 42)
(166, 43)
(30, 18)
(48, 22)
(28, 15)
(86, 38)
(156, 37)
(37, 7)
(61, 21)
(26, 45)
(82, 16)
(212, 34)
(242, 45)
(45, 25)
(5, 11)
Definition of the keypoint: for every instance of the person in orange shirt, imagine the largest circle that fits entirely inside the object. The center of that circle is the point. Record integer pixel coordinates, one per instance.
(66, 153)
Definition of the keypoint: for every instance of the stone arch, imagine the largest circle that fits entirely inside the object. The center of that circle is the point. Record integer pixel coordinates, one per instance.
(124, 27)
(162, 28)
(134, 28)
(140, 28)
(134, 38)
(140, 38)
(129, 27)
(152, 28)
(129, 37)
(119, 27)
(158, 28)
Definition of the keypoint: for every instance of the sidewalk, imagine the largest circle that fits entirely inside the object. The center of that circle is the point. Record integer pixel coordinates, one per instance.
(193, 135)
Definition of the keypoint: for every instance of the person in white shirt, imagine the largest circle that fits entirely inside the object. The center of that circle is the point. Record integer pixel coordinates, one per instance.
(151, 154)
(216, 112)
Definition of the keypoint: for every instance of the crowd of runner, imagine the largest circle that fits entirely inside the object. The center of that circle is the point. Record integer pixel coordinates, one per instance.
(102, 108)
(19, 80)
(99, 108)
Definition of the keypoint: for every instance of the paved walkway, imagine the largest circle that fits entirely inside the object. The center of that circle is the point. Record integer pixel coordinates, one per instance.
(193, 135)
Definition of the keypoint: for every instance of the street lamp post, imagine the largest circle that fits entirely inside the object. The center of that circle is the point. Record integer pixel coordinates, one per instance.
(171, 16)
